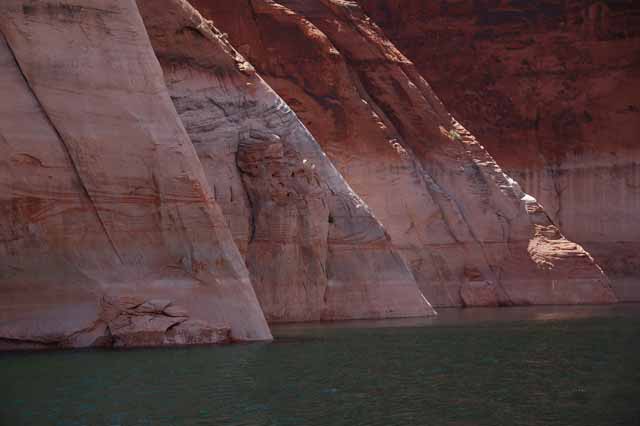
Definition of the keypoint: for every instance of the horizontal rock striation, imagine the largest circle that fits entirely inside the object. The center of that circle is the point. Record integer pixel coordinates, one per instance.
(552, 88)
(469, 233)
(313, 248)
(102, 195)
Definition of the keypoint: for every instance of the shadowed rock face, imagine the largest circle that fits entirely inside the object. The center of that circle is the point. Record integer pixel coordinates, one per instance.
(312, 246)
(471, 236)
(552, 88)
(102, 196)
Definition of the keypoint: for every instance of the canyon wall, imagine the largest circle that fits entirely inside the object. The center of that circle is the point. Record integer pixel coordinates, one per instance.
(109, 234)
(313, 247)
(112, 229)
(470, 235)
(155, 190)
(552, 89)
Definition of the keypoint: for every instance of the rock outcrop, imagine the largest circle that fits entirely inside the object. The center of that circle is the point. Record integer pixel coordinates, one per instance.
(313, 248)
(137, 322)
(102, 195)
(471, 236)
(552, 88)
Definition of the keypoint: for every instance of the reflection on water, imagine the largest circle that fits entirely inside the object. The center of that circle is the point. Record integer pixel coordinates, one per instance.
(516, 366)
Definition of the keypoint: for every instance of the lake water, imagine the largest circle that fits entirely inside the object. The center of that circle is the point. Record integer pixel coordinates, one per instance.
(570, 366)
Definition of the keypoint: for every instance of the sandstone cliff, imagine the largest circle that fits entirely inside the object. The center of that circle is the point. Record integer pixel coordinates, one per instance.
(552, 88)
(312, 246)
(471, 236)
(150, 180)
(109, 234)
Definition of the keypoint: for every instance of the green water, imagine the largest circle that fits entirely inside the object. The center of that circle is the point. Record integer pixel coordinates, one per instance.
(535, 366)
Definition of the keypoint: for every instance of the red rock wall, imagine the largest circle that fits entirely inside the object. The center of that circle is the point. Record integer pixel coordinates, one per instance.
(469, 234)
(116, 230)
(552, 89)
(312, 246)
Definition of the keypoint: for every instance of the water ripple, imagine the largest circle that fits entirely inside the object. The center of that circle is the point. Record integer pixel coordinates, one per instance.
(562, 370)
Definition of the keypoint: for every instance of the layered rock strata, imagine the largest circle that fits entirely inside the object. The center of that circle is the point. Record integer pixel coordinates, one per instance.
(313, 248)
(552, 88)
(102, 195)
(471, 236)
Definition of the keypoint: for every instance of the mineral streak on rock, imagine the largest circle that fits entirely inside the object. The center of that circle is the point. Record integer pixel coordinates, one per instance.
(101, 192)
(471, 236)
(552, 88)
(313, 248)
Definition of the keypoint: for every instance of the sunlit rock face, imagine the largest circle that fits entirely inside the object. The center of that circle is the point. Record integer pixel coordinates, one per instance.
(469, 233)
(102, 195)
(552, 88)
(313, 248)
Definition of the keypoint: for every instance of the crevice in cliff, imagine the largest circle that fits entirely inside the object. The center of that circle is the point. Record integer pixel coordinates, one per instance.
(248, 196)
(491, 267)
(364, 94)
(252, 216)
(65, 147)
(559, 192)
(428, 180)
(435, 190)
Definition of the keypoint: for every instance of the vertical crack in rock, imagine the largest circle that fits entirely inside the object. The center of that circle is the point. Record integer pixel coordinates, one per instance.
(429, 184)
(555, 175)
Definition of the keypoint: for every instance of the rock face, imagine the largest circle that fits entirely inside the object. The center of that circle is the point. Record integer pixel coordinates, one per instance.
(552, 88)
(150, 180)
(471, 236)
(313, 248)
(102, 195)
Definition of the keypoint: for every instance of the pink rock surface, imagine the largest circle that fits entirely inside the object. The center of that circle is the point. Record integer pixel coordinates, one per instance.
(101, 191)
(314, 249)
(469, 233)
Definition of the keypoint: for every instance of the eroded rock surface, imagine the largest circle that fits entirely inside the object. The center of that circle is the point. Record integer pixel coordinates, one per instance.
(125, 322)
(134, 322)
(314, 249)
(471, 236)
(101, 192)
(552, 88)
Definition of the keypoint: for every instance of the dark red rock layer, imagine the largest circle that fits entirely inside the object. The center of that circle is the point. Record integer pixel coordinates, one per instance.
(552, 88)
